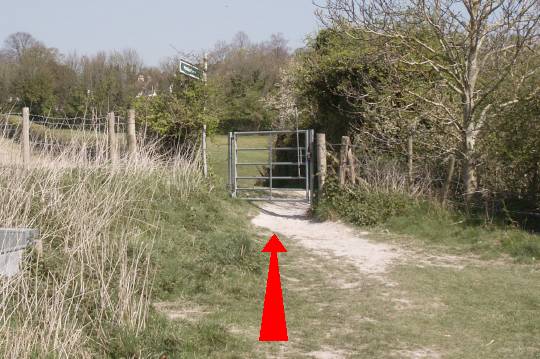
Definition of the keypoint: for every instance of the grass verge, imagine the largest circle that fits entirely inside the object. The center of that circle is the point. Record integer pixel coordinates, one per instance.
(425, 220)
(208, 268)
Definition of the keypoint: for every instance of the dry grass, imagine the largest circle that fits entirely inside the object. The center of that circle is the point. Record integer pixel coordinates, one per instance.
(389, 176)
(95, 273)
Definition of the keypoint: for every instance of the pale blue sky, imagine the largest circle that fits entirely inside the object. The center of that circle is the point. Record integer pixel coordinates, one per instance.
(150, 26)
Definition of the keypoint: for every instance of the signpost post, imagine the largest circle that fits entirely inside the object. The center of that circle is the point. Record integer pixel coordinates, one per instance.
(205, 79)
(193, 71)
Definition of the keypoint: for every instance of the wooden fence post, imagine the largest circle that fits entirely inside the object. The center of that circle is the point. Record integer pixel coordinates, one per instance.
(446, 187)
(410, 159)
(131, 137)
(205, 162)
(25, 137)
(352, 165)
(113, 148)
(83, 153)
(344, 150)
(321, 159)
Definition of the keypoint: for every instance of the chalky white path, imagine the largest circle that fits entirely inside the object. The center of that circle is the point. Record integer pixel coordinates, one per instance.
(338, 239)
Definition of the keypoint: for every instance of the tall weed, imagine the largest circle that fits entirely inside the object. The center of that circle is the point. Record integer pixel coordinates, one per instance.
(94, 276)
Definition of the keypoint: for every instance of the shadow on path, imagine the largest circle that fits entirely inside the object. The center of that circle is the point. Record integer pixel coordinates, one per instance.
(303, 216)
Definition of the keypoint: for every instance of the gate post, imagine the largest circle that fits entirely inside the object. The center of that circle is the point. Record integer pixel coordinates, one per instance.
(270, 163)
(321, 159)
(234, 157)
(311, 163)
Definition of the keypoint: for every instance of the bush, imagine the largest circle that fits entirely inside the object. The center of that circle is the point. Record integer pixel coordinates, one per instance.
(361, 205)
(426, 220)
(180, 115)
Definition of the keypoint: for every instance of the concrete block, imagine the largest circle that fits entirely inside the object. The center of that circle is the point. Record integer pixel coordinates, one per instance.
(13, 243)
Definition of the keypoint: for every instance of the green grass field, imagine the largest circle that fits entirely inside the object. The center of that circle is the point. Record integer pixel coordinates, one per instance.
(218, 155)
(218, 159)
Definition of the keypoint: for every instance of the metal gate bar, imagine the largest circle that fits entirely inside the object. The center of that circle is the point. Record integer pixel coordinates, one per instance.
(304, 161)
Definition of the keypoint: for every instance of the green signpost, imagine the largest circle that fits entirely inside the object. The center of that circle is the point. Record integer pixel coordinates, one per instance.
(190, 70)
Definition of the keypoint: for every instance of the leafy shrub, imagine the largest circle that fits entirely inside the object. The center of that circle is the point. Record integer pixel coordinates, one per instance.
(425, 219)
(361, 205)
(175, 116)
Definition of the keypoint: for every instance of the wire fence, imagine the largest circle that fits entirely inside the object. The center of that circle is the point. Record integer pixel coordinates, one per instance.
(27, 139)
(437, 175)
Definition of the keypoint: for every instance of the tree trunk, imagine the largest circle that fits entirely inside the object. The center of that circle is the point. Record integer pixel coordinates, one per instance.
(470, 181)
(469, 129)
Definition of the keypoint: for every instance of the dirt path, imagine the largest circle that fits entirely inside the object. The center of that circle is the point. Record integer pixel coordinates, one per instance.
(334, 238)
(351, 296)
(341, 273)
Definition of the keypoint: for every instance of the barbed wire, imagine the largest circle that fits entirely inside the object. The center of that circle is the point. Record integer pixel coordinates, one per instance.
(102, 118)
(11, 114)
(52, 135)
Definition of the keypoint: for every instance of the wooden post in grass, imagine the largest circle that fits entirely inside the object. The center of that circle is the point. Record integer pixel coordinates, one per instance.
(25, 137)
(131, 138)
(205, 162)
(113, 148)
(83, 153)
(451, 167)
(321, 159)
(344, 151)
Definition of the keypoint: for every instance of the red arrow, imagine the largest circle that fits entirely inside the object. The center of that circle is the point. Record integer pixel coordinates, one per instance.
(273, 325)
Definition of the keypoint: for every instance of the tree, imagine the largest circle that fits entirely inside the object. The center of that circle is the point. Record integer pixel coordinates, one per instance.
(109, 80)
(179, 114)
(244, 73)
(36, 79)
(471, 45)
(16, 44)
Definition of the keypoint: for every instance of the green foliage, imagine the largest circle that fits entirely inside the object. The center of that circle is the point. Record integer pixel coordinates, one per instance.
(245, 74)
(511, 156)
(329, 65)
(242, 107)
(425, 220)
(36, 77)
(347, 83)
(178, 115)
(357, 84)
(361, 206)
(50, 83)
(241, 74)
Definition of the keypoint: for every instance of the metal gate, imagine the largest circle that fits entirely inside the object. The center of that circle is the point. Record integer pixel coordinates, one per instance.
(257, 151)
